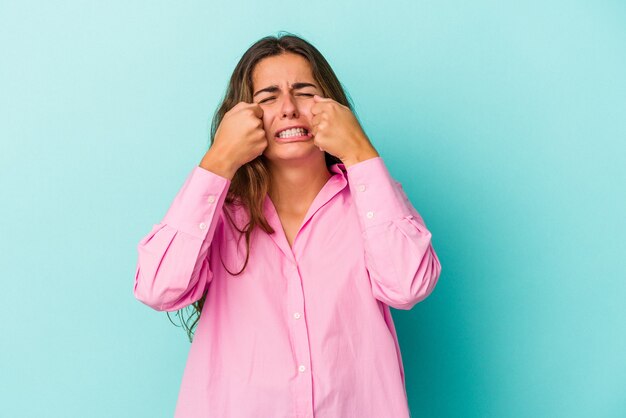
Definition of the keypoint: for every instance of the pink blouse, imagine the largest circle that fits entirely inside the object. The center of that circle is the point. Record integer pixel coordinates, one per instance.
(304, 331)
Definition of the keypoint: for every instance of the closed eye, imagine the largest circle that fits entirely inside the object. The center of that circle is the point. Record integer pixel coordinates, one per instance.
(300, 94)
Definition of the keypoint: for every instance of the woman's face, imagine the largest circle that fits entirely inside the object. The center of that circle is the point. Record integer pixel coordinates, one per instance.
(283, 85)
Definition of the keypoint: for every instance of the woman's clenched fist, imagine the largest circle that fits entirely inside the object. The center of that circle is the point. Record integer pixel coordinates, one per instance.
(239, 138)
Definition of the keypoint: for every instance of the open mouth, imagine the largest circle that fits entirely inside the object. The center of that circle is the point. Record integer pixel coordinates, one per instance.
(293, 133)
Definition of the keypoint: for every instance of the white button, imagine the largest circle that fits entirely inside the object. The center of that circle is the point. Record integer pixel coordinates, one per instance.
(370, 214)
(361, 187)
(202, 225)
(210, 199)
(301, 368)
(296, 315)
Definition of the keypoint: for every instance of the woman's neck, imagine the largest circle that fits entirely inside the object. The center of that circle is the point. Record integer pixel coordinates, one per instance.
(294, 186)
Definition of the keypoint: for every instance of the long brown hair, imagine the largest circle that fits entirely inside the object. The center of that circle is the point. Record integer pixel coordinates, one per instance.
(251, 182)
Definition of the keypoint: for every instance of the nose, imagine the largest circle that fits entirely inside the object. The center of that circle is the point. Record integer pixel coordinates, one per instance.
(289, 108)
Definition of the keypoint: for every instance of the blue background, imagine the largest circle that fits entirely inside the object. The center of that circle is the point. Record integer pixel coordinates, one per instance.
(504, 121)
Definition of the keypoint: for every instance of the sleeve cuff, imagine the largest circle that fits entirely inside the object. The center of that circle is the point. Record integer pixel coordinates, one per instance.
(376, 194)
(194, 208)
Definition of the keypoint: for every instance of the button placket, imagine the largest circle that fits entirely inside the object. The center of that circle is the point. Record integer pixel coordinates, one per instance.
(301, 346)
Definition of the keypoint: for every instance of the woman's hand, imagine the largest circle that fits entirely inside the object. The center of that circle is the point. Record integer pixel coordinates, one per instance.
(336, 130)
(239, 138)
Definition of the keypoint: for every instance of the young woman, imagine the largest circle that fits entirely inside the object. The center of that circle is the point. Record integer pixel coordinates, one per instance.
(294, 321)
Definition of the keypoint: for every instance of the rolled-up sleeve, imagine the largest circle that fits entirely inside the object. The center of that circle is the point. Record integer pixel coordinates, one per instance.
(399, 256)
(173, 270)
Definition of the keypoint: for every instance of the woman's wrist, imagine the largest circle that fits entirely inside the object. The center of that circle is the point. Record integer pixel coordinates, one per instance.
(363, 155)
(218, 164)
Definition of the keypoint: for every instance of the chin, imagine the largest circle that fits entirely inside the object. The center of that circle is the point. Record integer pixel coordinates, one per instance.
(301, 151)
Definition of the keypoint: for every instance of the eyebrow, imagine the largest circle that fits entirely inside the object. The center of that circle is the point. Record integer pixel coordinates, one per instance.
(274, 88)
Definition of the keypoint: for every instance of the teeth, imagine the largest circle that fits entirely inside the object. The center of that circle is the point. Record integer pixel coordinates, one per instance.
(292, 132)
